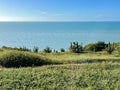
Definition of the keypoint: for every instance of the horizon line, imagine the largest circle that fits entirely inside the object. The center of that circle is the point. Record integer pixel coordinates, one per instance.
(66, 21)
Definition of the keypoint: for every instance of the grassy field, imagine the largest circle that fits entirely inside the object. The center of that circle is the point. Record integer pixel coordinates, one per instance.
(87, 71)
(61, 58)
(69, 58)
(97, 76)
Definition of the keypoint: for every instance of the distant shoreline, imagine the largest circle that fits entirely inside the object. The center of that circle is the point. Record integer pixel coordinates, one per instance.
(56, 21)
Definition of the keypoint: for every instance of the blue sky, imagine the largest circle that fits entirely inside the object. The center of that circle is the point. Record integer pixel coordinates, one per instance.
(59, 10)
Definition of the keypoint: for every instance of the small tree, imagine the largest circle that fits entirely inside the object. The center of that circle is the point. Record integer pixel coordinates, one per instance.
(47, 50)
(62, 50)
(35, 49)
(110, 48)
(23, 48)
(75, 47)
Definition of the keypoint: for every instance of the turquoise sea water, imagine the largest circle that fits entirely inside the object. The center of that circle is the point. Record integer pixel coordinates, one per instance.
(57, 34)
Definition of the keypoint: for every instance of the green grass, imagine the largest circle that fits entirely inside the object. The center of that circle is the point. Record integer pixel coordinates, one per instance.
(87, 71)
(72, 58)
(9, 58)
(14, 58)
(97, 76)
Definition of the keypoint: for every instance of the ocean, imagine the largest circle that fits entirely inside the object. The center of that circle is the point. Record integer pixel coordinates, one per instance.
(57, 35)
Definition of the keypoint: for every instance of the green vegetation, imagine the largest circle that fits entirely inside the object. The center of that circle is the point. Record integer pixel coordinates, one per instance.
(75, 47)
(47, 50)
(97, 76)
(62, 50)
(13, 58)
(73, 58)
(19, 49)
(92, 67)
(24, 57)
(99, 46)
(110, 48)
(35, 49)
(21, 59)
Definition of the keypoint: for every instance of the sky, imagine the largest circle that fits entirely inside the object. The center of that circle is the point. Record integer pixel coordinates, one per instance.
(59, 10)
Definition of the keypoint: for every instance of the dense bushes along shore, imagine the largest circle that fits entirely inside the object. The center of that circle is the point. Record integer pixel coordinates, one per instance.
(75, 47)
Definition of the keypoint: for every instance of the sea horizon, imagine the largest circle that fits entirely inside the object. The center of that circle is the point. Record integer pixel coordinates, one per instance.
(60, 21)
(57, 35)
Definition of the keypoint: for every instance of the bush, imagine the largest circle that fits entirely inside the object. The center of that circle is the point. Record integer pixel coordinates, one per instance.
(99, 46)
(15, 48)
(47, 50)
(62, 50)
(75, 47)
(110, 48)
(23, 49)
(35, 49)
(21, 59)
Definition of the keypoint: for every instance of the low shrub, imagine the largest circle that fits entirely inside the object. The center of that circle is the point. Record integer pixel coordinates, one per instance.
(16, 48)
(75, 47)
(47, 50)
(35, 49)
(98, 46)
(21, 59)
(62, 50)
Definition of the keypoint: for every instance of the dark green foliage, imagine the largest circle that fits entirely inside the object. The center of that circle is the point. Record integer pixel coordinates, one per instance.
(99, 46)
(19, 49)
(47, 50)
(75, 47)
(10, 48)
(23, 49)
(62, 50)
(35, 49)
(110, 48)
(21, 59)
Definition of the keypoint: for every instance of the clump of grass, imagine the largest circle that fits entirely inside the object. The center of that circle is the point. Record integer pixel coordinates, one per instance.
(21, 59)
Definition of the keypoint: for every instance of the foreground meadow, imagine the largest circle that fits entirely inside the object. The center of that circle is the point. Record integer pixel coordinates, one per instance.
(22, 70)
(97, 76)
